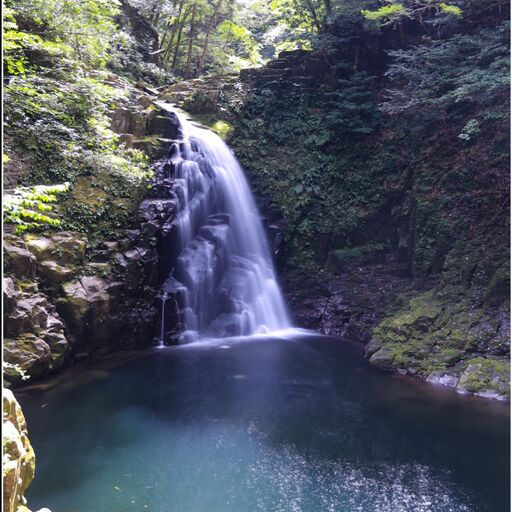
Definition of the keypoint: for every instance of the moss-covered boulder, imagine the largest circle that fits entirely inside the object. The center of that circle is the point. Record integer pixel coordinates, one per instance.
(461, 344)
(486, 377)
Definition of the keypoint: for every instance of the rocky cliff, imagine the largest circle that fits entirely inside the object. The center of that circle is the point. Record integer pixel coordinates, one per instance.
(90, 288)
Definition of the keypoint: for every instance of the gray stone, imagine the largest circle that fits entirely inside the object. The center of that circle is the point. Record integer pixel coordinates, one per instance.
(89, 306)
(19, 261)
(382, 358)
(54, 273)
(9, 295)
(30, 352)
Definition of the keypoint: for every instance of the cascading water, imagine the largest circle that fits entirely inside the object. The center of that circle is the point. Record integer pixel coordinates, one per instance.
(223, 279)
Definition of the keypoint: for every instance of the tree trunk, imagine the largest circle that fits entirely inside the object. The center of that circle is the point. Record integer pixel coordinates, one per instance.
(312, 11)
(328, 13)
(211, 24)
(188, 72)
(143, 31)
(178, 42)
(173, 32)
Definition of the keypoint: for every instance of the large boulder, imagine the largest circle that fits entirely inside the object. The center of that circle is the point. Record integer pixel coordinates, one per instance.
(17, 259)
(65, 247)
(126, 120)
(18, 456)
(28, 353)
(35, 340)
(54, 273)
(57, 255)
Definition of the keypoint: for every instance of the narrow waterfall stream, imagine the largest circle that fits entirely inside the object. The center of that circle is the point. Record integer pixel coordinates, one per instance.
(223, 281)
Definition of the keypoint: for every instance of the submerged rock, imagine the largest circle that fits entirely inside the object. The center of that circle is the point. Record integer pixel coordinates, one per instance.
(442, 379)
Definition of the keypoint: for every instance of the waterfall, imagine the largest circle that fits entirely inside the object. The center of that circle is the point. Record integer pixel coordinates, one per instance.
(223, 278)
(163, 297)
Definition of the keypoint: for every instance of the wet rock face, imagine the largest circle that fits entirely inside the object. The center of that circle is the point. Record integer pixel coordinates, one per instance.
(18, 455)
(90, 306)
(349, 303)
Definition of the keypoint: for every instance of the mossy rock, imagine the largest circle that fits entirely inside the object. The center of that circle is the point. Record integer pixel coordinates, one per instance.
(486, 377)
(383, 358)
(89, 191)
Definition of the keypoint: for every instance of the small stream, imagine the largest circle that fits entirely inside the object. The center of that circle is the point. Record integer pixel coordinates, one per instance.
(289, 422)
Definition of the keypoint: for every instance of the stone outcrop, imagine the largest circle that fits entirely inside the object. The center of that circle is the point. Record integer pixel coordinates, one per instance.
(35, 342)
(57, 256)
(201, 95)
(142, 125)
(18, 259)
(18, 456)
(18, 463)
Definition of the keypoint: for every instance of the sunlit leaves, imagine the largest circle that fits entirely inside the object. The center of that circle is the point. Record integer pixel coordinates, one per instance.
(86, 27)
(393, 11)
(385, 14)
(450, 9)
(25, 206)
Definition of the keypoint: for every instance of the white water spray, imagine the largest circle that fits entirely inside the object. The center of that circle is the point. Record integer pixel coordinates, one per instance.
(224, 279)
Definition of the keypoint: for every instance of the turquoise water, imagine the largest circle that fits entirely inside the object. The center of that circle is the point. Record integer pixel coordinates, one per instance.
(280, 424)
